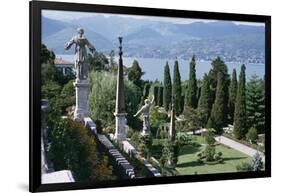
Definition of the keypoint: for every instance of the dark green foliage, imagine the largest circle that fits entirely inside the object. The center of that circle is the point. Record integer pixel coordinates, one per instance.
(135, 139)
(210, 152)
(155, 93)
(135, 73)
(252, 135)
(49, 71)
(177, 90)
(210, 149)
(183, 139)
(204, 104)
(145, 93)
(46, 56)
(98, 61)
(146, 90)
(232, 96)
(102, 93)
(166, 156)
(240, 124)
(50, 89)
(244, 167)
(209, 123)
(73, 149)
(257, 163)
(146, 145)
(101, 97)
(132, 99)
(255, 104)
(67, 96)
(112, 63)
(141, 149)
(157, 118)
(209, 137)
(218, 65)
(162, 132)
(191, 91)
(219, 107)
(193, 121)
(167, 91)
(99, 126)
(160, 96)
(175, 153)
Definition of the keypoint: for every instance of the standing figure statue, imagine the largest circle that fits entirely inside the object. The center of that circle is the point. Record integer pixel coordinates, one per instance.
(145, 110)
(80, 42)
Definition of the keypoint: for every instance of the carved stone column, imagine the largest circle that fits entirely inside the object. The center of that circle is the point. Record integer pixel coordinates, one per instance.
(120, 114)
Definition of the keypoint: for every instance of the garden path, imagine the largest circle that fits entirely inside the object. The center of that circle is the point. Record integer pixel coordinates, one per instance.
(238, 146)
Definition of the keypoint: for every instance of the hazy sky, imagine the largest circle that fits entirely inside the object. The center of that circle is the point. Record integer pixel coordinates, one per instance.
(71, 15)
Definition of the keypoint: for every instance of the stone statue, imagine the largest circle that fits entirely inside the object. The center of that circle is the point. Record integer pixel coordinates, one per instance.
(80, 42)
(145, 110)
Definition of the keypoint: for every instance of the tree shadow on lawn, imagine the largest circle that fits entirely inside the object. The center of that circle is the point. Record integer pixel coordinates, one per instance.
(196, 163)
(189, 164)
(233, 158)
(190, 149)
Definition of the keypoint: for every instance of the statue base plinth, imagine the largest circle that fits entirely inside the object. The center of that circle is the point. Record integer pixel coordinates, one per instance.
(81, 107)
(120, 126)
(145, 132)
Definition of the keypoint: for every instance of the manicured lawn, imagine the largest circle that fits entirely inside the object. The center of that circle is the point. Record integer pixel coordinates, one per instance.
(188, 164)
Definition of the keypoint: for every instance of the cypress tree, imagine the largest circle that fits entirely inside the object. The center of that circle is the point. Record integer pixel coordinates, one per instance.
(145, 93)
(218, 110)
(155, 93)
(218, 65)
(191, 99)
(135, 73)
(204, 104)
(177, 89)
(240, 125)
(160, 96)
(167, 92)
(255, 104)
(146, 90)
(232, 96)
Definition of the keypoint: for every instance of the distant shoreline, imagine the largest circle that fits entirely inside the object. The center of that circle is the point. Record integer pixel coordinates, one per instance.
(154, 67)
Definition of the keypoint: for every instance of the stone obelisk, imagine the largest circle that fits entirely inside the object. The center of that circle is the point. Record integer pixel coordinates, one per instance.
(81, 83)
(172, 129)
(120, 114)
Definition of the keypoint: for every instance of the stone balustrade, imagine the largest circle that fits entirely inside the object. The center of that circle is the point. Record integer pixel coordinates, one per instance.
(124, 169)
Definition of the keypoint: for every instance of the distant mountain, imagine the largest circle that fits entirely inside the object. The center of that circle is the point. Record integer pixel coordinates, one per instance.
(112, 26)
(59, 35)
(217, 29)
(50, 26)
(148, 38)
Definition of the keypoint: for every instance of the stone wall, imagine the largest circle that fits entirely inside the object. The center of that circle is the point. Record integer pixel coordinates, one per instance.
(130, 149)
(122, 167)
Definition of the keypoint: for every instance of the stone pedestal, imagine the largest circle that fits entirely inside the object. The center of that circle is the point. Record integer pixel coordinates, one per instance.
(120, 126)
(146, 126)
(81, 108)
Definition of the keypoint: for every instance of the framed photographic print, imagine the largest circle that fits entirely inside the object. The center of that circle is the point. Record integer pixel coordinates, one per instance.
(127, 96)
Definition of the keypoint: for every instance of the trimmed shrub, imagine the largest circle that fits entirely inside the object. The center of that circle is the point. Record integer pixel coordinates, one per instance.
(252, 135)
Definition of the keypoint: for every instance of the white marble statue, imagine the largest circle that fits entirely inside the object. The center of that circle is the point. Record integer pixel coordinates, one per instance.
(145, 109)
(81, 42)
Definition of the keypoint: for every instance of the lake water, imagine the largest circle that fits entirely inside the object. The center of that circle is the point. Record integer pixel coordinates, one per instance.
(154, 67)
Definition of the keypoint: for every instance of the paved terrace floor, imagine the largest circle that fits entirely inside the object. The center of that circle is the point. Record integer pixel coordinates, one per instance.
(238, 146)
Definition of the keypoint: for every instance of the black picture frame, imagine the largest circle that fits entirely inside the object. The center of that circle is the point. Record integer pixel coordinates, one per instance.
(35, 103)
